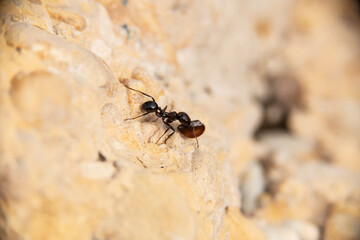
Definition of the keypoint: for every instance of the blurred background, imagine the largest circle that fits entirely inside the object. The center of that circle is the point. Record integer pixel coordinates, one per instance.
(277, 84)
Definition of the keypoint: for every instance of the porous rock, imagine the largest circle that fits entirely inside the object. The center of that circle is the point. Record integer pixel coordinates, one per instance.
(71, 167)
(274, 82)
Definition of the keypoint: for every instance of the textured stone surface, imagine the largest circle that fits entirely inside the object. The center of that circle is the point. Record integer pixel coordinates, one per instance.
(275, 82)
(343, 221)
(63, 103)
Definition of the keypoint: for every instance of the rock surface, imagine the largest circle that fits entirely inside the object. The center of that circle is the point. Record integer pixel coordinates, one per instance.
(275, 82)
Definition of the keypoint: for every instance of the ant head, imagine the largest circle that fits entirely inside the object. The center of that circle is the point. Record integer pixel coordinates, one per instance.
(195, 129)
(184, 119)
(149, 106)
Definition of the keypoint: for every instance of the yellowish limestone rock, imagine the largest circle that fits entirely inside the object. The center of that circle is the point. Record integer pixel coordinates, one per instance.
(275, 83)
(343, 222)
(63, 104)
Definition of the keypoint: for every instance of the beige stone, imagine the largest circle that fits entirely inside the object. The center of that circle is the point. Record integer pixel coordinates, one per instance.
(343, 222)
(63, 69)
(72, 168)
(331, 98)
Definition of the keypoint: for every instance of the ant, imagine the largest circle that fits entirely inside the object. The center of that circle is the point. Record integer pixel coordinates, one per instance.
(188, 128)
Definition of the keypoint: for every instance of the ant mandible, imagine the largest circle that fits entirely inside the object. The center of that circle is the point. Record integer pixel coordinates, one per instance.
(188, 128)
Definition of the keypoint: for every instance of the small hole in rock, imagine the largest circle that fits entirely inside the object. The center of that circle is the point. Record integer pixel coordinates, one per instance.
(208, 90)
(284, 95)
(101, 157)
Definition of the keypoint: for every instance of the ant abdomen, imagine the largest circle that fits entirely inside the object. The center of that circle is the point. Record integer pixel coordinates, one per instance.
(194, 130)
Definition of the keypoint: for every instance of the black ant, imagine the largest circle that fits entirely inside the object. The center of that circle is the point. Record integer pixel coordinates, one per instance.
(188, 128)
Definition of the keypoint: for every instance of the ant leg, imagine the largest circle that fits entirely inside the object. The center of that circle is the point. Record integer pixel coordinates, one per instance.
(197, 142)
(141, 92)
(162, 135)
(137, 116)
(170, 127)
(170, 134)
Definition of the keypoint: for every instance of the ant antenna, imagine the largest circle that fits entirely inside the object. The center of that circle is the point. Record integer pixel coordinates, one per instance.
(141, 92)
(137, 116)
